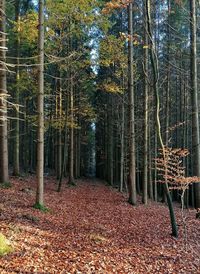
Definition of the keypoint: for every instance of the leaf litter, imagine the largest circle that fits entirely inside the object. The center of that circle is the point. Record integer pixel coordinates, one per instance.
(91, 228)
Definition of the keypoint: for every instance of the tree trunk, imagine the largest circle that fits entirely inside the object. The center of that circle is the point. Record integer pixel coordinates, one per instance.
(40, 109)
(154, 63)
(71, 150)
(3, 96)
(168, 78)
(131, 175)
(194, 90)
(122, 146)
(146, 89)
(110, 143)
(59, 131)
(16, 171)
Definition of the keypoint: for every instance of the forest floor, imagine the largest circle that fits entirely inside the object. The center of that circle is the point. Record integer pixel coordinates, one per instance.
(91, 228)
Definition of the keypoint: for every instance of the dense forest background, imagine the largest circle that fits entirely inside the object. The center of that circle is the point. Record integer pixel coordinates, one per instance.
(102, 88)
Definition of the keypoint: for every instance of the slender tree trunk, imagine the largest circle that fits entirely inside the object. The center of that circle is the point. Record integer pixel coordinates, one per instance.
(195, 114)
(3, 96)
(78, 137)
(154, 63)
(40, 109)
(110, 143)
(16, 171)
(64, 154)
(71, 151)
(168, 79)
(150, 183)
(132, 172)
(146, 91)
(122, 147)
(155, 170)
(59, 140)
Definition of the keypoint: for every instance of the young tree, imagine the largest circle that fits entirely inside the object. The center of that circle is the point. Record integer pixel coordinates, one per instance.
(156, 78)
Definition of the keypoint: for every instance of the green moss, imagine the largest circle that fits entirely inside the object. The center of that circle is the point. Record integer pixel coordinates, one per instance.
(5, 246)
(41, 207)
(6, 185)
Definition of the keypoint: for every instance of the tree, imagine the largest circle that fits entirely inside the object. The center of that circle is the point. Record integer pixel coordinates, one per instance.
(194, 97)
(40, 109)
(146, 95)
(131, 175)
(3, 98)
(156, 78)
(16, 170)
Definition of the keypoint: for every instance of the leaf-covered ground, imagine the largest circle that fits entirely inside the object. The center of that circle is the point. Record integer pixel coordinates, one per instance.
(91, 228)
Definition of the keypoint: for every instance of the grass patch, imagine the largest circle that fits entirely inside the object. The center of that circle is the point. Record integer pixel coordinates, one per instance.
(41, 207)
(5, 246)
(6, 185)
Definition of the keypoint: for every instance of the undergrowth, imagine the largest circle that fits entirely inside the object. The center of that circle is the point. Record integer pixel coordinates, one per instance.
(5, 246)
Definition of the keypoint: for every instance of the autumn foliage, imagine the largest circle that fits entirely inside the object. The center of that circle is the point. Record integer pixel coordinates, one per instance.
(115, 4)
(171, 169)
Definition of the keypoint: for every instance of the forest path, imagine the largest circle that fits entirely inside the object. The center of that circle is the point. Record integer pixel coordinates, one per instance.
(91, 228)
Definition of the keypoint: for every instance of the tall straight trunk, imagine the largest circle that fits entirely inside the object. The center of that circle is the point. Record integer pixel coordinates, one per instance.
(106, 164)
(122, 127)
(155, 170)
(40, 109)
(150, 181)
(64, 149)
(78, 153)
(110, 143)
(168, 78)
(71, 149)
(59, 131)
(146, 91)
(154, 63)
(78, 138)
(122, 146)
(3, 96)
(132, 172)
(16, 171)
(194, 90)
